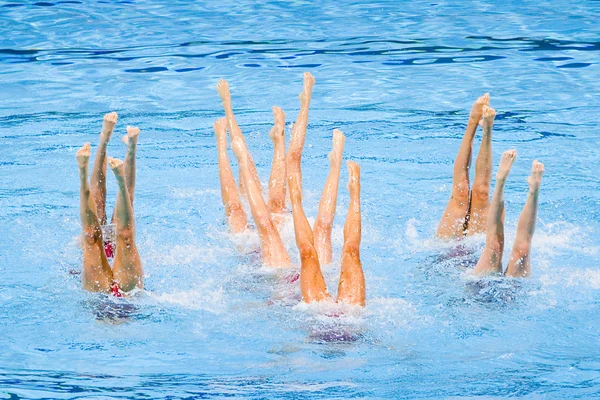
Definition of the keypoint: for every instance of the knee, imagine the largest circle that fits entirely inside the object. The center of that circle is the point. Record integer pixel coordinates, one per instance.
(235, 208)
(481, 192)
(461, 191)
(307, 251)
(521, 249)
(125, 235)
(92, 236)
(294, 156)
(495, 245)
(352, 250)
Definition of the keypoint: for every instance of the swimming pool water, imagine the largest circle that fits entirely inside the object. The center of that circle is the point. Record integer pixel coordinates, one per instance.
(398, 78)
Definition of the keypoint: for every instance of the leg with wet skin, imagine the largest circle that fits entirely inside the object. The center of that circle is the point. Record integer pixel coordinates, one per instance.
(519, 264)
(130, 141)
(453, 221)
(277, 183)
(273, 251)
(98, 179)
(96, 275)
(490, 261)
(236, 216)
(127, 267)
(296, 145)
(327, 205)
(480, 202)
(235, 131)
(351, 288)
(312, 283)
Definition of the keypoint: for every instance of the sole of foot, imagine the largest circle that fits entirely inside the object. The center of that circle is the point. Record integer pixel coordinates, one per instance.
(110, 120)
(223, 89)
(309, 82)
(537, 171)
(83, 155)
(487, 117)
(337, 147)
(506, 162)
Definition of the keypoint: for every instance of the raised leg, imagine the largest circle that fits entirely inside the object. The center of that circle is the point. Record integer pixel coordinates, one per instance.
(480, 193)
(312, 283)
(130, 141)
(519, 264)
(490, 261)
(98, 179)
(351, 288)
(299, 131)
(236, 217)
(235, 131)
(96, 275)
(454, 219)
(277, 182)
(127, 267)
(274, 253)
(327, 205)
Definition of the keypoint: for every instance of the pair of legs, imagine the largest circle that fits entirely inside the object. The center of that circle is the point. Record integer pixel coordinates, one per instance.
(467, 208)
(351, 287)
(273, 251)
(237, 220)
(490, 261)
(127, 271)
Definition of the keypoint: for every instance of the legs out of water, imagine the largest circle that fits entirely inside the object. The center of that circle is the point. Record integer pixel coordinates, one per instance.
(127, 267)
(98, 179)
(273, 251)
(277, 185)
(490, 261)
(327, 205)
(236, 132)
(519, 263)
(236, 216)
(351, 288)
(480, 198)
(127, 271)
(454, 220)
(96, 275)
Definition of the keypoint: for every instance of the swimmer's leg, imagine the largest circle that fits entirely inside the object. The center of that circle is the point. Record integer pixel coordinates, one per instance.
(519, 264)
(235, 131)
(490, 261)
(98, 179)
(327, 205)
(130, 141)
(277, 182)
(127, 268)
(351, 288)
(274, 253)
(312, 283)
(130, 169)
(480, 193)
(236, 216)
(96, 275)
(454, 219)
(299, 131)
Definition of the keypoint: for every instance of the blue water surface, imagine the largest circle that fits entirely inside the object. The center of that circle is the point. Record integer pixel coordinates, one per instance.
(398, 78)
